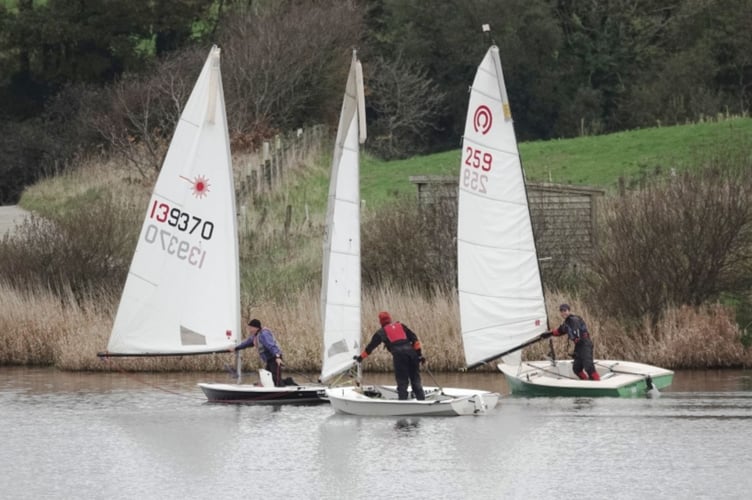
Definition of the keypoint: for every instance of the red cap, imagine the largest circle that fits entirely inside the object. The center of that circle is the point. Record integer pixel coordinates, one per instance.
(384, 318)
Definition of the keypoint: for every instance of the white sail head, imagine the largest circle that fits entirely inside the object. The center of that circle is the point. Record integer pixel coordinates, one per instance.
(340, 289)
(500, 290)
(182, 294)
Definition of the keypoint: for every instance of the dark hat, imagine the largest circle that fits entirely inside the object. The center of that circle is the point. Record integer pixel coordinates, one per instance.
(564, 307)
(255, 322)
(384, 318)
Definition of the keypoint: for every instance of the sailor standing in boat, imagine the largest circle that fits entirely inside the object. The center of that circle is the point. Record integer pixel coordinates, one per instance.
(406, 352)
(269, 351)
(575, 329)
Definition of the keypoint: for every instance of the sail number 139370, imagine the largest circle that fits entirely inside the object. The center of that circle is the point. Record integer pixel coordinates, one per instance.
(181, 220)
(478, 163)
(175, 241)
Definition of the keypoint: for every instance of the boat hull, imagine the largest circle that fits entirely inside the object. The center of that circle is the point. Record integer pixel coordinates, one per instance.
(624, 379)
(382, 401)
(254, 394)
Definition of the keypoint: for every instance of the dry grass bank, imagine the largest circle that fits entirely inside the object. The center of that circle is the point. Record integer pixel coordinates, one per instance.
(39, 328)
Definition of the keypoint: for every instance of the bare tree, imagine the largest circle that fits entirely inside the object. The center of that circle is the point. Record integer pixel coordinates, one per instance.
(682, 241)
(141, 113)
(282, 65)
(407, 245)
(405, 103)
(286, 65)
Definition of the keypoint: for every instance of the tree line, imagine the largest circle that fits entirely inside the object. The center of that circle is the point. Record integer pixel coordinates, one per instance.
(101, 75)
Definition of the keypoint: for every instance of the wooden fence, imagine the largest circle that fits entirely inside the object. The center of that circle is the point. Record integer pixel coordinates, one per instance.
(265, 169)
(564, 217)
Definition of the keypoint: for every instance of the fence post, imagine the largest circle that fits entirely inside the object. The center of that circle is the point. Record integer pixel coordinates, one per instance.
(267, 167)
(253, 179)
(288, 219)
(279, 159)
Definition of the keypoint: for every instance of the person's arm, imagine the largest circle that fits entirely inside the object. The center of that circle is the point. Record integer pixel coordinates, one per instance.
(555, 332)
(559, 331)
(413, 338)
(373, 344)
(246, 343)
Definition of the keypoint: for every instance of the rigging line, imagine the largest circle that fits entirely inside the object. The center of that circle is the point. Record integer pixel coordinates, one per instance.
(441, 390)
(119, 369)
(550, 372)
(340, 376)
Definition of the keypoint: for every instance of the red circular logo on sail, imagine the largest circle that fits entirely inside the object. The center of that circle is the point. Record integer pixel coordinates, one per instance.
(199, 185)
(482, 119)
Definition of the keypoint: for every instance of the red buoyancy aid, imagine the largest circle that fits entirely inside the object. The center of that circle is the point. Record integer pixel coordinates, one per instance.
(395, 333)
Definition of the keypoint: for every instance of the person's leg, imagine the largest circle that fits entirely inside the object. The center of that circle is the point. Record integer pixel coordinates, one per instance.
(415, 381)
(577, 364)
(276, 370)
(587, 360)
(401, 374)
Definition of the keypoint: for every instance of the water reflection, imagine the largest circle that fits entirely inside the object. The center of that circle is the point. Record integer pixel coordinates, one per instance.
(158, 438)
(580, 403)
(407, 426)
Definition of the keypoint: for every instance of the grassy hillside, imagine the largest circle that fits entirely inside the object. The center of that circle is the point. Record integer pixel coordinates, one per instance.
(280, 261)
(593, 161)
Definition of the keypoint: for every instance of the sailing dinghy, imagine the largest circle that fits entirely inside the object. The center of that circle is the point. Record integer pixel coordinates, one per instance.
(341, 291)
(340, 287)
(182, 294)
(502, 305)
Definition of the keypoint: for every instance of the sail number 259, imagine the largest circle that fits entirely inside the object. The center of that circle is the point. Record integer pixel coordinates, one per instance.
(479, 161)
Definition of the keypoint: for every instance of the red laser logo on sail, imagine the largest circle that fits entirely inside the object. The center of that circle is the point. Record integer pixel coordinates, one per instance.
(200, 185)
(482, 119)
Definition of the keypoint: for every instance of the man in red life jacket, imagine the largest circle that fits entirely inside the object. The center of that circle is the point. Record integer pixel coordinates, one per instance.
(575, 329)
(404, 346)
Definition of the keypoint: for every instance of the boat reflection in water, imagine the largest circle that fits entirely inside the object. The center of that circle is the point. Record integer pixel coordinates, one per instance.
(155, 436)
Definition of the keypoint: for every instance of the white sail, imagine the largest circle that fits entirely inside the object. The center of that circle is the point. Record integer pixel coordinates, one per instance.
(499, 283)
(340, 289)
(182, 294)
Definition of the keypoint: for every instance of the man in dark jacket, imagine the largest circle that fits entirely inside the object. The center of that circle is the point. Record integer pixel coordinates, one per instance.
(406, 352)
(575, 329)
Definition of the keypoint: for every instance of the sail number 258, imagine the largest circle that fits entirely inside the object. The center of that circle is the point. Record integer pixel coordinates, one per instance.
(479, 161)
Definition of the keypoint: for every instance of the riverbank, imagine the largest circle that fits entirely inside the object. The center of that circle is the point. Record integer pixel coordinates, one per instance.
(38, 328)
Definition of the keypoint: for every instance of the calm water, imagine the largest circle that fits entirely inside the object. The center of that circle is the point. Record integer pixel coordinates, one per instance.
(70, 435)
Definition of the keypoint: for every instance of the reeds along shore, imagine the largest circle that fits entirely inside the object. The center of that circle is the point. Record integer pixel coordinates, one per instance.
(39, 328)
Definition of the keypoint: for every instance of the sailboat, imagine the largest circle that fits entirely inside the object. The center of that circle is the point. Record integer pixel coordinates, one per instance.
(502, 304)
(182, 293)
(341, 293)
(340, 288)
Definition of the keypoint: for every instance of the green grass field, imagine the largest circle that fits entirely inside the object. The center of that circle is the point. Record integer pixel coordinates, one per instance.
(597, 161)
